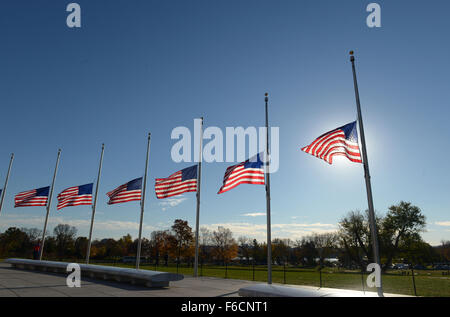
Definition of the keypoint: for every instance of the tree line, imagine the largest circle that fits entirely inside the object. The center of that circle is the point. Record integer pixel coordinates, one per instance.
(399, 234)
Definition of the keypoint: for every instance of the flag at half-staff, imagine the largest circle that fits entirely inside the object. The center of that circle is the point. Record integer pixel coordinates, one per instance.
(127, 192)
(31, 198)
(144, 186)
(178, 183)
(75, 196)
(372, 220)
(49, 193)
(248, 172)
(340, 141)
(186, 180)
(94, 206)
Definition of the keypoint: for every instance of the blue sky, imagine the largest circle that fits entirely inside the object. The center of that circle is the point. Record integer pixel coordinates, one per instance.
(149, 66)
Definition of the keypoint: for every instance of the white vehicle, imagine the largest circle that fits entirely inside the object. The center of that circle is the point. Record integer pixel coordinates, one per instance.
(401, 266)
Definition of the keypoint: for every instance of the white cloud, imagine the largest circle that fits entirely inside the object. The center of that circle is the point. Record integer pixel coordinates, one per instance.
(171, 202)
(287, 230)
(254, 214)
(298, 217)
(113, 227)
(443, 223)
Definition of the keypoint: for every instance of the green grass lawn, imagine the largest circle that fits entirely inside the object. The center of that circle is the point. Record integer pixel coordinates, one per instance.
(428, 283)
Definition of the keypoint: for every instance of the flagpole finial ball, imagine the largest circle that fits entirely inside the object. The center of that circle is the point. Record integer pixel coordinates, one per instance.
(266, 94)
(351, 52)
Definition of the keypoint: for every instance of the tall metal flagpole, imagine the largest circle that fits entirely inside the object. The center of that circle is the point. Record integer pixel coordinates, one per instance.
(48, 206)
(94, 206)
(373, 226)
(6, 182)
(197, 220)
(267, 172)
(144, 185)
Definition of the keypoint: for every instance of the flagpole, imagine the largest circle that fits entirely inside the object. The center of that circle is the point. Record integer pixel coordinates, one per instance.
(373, 226)
(197, 220)
(138, 260)
(94, 206)
(6, 182)
(269, 233)
(48, 206)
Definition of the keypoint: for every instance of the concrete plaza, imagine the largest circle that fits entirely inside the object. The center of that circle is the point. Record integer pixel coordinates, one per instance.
(22, 283)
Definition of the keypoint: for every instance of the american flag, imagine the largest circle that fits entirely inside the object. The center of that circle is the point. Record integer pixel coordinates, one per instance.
(75, 196)
(248, 172)
(340, 141)
(126, 192)
(180, 182)
(30, 198)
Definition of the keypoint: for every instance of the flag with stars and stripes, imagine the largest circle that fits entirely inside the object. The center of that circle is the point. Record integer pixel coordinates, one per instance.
(180, 182)
(126, 192)
(248, 172)
(31, 198)
(340, 141)
(75, 196)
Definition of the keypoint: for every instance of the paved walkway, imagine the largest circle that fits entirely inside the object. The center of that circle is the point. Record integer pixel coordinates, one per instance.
(23, 283)
(15, 282)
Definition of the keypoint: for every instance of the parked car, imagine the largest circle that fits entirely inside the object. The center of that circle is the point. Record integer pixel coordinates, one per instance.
(441, 267)
(132, 259)
(419, 267)
(401, 266)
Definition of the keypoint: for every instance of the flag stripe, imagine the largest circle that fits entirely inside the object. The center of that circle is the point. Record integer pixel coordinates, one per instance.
(29, 198)
(75, 201)
(256, 177)
(176, 192)
(177, 186)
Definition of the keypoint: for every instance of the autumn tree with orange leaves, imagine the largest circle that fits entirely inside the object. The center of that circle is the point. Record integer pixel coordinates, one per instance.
(225, 247)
